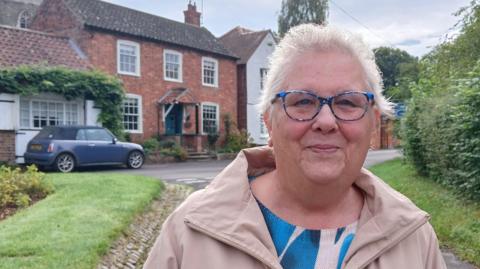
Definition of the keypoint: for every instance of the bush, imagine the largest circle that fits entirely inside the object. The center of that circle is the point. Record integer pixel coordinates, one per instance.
(19, 189)
(151, 145)
(441, 133)
(165, 148)
(237, 141)
(176, 151)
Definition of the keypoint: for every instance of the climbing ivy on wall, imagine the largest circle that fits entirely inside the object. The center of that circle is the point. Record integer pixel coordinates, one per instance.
(107, 91)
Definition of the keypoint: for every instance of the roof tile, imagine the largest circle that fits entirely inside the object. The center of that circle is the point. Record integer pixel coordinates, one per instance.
(26, 47)
(107, 16)
(243, 42)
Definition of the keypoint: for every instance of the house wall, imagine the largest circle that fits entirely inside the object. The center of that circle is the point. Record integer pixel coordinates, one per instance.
(242, 96)
(7, 146)
(10, 10)
(259, 59)
(101, 49)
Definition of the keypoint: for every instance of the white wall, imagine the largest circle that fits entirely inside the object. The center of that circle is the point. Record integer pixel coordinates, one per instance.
(8, 111)
(23, 135)
(259, 59)
(91, 113)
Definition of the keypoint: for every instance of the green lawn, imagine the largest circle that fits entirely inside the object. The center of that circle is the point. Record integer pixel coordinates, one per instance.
(456, 221)
(74, 227)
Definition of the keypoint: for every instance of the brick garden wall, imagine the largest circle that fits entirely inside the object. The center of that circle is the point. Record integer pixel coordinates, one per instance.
(7, 146)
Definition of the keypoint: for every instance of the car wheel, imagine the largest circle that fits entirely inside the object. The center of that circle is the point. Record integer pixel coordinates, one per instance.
(65, 163)
(135, 159)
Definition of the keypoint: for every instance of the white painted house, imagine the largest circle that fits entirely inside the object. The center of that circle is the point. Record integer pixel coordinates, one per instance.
(254, 48)
(22, 117)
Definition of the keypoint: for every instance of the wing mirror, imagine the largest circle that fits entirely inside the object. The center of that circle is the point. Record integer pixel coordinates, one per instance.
(114, 140)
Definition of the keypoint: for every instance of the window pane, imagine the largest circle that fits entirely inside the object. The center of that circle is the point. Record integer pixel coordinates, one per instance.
(209, 114)
(24, 114)
(209, 72)
(128, 58)
(131, 114)
(172, 66)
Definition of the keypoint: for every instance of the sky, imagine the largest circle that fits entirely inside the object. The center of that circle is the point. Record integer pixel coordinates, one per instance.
(412, 25)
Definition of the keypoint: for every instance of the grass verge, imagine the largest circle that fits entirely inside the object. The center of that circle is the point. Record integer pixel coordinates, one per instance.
(456, 221)
(76, 225)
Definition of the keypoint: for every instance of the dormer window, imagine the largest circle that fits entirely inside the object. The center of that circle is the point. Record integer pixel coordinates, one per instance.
(24, 19)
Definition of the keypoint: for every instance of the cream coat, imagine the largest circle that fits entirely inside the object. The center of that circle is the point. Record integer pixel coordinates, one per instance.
(222, 227)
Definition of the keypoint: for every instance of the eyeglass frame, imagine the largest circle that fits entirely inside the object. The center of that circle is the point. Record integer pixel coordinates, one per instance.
(324, 100)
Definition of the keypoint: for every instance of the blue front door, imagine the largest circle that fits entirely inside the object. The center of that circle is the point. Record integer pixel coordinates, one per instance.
(173, 121)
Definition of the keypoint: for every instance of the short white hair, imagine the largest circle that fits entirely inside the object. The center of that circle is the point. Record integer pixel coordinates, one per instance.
(310, 38)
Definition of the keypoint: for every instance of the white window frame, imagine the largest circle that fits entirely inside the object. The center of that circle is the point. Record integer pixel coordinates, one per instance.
(215, 84)
(137, 60)
(30, 112)
(217, 116)
(263, 75)
(139, 130)
(180, 68)
(25, 18)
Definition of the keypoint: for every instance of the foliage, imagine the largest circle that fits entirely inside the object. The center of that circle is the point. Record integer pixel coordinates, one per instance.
(19, 189)
(150, 145)
(441, 130)
(75, 226)
(295, 12)
(235, 140)
(165, 148)
(398, 69)
(456, 220)
(106, 91)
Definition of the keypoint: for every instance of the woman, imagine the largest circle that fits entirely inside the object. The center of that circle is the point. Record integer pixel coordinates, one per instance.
(305, 201)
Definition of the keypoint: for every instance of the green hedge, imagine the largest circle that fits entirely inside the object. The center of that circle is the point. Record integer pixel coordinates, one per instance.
(107, 91)
(441, 132)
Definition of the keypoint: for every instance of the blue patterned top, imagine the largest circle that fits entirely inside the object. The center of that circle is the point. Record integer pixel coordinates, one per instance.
(300, 248)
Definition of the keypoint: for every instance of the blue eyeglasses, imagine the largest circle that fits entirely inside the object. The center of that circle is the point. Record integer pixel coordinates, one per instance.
(303, 105)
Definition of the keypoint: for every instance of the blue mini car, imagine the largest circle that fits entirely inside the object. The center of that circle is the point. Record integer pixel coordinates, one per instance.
(68, 147)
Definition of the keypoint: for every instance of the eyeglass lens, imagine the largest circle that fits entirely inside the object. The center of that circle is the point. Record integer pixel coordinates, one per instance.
(305, 106)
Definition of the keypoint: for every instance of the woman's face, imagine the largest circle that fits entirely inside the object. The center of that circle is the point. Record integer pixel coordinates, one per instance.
(324, 149)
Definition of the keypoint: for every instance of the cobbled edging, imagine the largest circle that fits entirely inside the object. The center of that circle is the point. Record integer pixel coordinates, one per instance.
(131, 250)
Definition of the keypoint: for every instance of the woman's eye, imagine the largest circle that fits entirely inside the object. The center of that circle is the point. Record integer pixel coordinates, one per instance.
(303, 102)
(345, 102)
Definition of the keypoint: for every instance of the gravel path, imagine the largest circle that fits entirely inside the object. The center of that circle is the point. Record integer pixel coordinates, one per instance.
(131, 250)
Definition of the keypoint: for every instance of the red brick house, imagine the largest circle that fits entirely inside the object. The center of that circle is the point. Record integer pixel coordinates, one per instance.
(22, 115)
(179, 78)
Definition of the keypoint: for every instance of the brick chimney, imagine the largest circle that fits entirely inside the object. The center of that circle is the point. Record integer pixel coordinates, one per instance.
(192, 16)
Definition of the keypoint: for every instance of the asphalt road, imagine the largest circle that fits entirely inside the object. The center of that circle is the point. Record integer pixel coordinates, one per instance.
(199, 173)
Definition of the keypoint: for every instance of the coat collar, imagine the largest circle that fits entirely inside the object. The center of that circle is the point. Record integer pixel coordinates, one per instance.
(228, 212)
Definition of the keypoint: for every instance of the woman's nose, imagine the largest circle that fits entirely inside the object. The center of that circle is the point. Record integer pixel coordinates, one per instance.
(325, 120)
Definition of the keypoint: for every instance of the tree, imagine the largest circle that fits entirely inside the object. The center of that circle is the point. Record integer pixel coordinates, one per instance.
(295, 12)
(398, 69)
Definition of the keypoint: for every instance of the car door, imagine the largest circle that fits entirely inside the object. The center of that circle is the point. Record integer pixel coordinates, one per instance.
(82, 148)
(103, 148)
